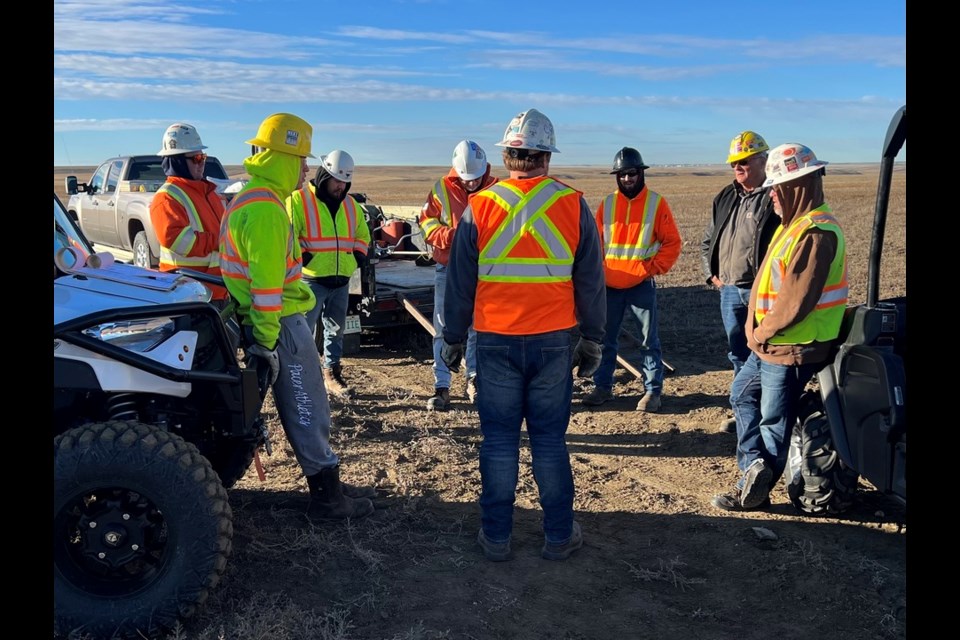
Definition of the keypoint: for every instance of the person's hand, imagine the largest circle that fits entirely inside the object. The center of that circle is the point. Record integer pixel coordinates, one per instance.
(586, 357)
(715, 281)
(452, 354)
(264, 360)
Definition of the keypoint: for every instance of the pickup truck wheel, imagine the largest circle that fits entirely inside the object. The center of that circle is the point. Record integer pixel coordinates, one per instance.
(142, 257)
(142, 530)
(818, 481)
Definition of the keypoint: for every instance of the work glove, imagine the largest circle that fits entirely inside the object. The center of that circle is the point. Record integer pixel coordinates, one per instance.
(266, 361)
(452, 354)
(586, 357)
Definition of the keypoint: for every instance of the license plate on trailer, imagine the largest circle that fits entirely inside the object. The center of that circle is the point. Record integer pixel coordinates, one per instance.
(352, 325)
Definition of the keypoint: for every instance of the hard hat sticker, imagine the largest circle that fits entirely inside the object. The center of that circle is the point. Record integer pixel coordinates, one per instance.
(292, 137)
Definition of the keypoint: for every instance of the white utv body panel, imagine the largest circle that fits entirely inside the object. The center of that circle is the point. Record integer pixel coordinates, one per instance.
(94, 282)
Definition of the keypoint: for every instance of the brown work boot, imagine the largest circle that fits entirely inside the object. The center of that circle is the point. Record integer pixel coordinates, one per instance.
(329, 501)
(650, 402)
(335, 384)
(472, 389)
(440, 400)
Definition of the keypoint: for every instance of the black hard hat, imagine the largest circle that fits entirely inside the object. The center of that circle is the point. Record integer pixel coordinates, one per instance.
(627, 158)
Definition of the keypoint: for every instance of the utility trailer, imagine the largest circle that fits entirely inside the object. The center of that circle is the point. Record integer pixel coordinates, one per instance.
(393, 291)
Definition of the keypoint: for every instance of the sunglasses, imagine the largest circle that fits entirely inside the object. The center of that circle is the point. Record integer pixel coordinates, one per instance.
(632, 173)
(741, 163)
(199, 158)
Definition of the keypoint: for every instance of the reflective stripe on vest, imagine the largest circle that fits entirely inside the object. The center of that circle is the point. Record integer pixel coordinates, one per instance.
(176, 253)
(314, 241)
(442, 195)
(823, 323)
(232, 265)
(526, 213)
(642, 248)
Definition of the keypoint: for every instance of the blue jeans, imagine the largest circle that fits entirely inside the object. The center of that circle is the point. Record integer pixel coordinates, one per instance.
(764, 398)
(525, 378)
(641, 302)
(733, 312)
(441, 373)
(332, 309)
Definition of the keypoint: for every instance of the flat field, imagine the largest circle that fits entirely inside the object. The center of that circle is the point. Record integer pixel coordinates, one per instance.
(658, 560)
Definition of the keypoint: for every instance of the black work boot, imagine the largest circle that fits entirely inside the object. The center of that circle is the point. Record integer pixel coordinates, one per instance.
(328, 500)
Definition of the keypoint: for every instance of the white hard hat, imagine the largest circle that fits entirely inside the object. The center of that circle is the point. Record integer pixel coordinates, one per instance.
(469, 160)
(530, 130)
(790, 161)
(338, 164)
(180, 138)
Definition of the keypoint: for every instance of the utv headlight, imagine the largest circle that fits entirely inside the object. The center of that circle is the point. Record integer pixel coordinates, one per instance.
(134, 335)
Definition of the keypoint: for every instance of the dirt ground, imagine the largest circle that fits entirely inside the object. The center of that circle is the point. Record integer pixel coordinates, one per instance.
(658, 560)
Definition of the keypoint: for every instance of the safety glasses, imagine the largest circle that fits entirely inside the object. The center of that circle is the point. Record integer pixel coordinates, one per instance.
(630, 173)
(741, 163)
(199, 158)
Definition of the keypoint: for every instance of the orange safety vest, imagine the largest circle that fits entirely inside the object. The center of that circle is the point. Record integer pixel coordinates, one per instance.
(627, 228)
(528, 231)
(184, 251)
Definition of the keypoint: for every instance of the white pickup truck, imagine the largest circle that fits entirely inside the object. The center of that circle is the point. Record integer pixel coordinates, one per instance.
(113, 208)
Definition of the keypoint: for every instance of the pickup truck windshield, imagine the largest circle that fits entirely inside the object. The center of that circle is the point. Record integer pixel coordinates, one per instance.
(151, 169)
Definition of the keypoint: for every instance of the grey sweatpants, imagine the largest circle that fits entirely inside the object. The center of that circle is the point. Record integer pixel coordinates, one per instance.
(301, 398)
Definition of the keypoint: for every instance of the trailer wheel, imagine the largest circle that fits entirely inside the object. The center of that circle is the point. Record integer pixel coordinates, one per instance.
(142, 530)
(818, 481)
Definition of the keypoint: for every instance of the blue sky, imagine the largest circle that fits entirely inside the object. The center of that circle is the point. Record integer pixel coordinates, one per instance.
(400, 82)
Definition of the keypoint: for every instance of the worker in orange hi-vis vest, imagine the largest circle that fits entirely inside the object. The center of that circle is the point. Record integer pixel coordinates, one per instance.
(186, 211)
(439, 218)
(640, 241)
(525, 270)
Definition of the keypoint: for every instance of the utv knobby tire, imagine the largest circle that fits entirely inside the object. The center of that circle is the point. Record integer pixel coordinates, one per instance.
(818, 481)
(141, 530)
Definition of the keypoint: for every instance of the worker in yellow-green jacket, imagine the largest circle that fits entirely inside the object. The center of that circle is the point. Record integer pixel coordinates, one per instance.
(260, 264)
(334, 237)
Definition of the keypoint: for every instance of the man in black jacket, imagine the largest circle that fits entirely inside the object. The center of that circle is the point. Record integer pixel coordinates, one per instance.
(735, 241)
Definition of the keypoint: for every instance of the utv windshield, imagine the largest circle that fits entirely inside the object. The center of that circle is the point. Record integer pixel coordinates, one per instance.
(65, 231)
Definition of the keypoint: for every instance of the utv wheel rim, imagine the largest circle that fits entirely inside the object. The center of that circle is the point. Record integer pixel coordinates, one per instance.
(110, 541)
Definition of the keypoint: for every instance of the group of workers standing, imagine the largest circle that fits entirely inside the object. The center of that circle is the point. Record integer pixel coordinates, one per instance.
(530, 284)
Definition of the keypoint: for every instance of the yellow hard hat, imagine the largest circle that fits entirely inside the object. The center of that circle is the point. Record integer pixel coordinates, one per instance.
(286, 133)
(746, 144)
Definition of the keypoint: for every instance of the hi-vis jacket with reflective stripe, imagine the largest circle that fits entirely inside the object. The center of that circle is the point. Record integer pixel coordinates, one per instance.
(528, 235)
(331, 239)
(639, 237)
(186, 216)
(822, 323)
(260, 259)
(443, 209)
